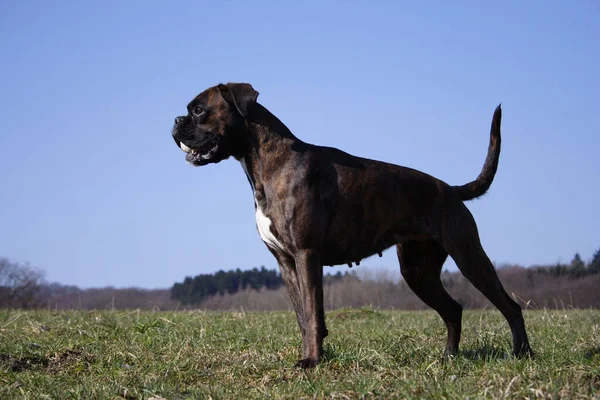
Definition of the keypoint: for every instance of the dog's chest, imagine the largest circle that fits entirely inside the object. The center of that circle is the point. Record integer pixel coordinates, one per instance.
(263, 223)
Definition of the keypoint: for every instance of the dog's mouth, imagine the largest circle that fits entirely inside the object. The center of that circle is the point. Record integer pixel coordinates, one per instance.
(203, 154)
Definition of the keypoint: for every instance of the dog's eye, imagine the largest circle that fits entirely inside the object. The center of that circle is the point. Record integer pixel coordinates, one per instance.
(198, 110)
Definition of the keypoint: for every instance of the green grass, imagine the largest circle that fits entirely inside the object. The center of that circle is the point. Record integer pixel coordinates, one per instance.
(369, 354)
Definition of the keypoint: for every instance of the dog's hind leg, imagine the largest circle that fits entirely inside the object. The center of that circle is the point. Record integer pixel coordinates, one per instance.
(467, 252)
(421, 263)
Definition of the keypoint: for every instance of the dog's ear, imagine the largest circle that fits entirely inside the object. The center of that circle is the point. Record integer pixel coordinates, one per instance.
(241, 95)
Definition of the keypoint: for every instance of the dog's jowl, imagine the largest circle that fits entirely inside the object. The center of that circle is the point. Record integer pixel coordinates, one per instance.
(319, 206)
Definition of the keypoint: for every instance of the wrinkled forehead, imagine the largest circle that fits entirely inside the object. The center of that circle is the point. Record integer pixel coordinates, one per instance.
(206, 98)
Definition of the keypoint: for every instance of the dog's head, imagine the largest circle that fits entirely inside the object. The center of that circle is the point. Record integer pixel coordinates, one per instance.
(210, 132)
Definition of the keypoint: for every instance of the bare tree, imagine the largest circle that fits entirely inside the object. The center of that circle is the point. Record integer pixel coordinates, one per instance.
(19, 285)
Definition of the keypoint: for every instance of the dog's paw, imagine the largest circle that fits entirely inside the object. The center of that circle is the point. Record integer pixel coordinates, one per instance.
(523, 352)
(450, 352)
(307, 363)
(448, 355)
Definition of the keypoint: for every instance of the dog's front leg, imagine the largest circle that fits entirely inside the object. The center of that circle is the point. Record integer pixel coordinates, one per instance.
(287, 268)
(310, 277)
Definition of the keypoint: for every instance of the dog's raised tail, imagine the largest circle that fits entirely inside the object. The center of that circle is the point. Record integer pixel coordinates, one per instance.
(479, 186)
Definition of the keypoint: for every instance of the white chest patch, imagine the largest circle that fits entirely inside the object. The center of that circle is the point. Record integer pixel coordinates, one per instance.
(263, 223)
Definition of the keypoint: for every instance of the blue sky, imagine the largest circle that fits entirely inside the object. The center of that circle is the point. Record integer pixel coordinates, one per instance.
(95, 192)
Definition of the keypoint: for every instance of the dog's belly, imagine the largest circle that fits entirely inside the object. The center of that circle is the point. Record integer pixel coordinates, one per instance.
(353, 249)
(344, 250)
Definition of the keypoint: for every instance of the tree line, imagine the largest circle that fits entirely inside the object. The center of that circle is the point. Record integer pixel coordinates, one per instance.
(556, 286)
(576, 269)
(194, 290)
(573, 284)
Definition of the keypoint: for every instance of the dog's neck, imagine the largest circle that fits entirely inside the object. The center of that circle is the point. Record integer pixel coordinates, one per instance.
(265, 134)
(267, 124)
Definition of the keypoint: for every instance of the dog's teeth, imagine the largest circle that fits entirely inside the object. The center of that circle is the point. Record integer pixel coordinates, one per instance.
(184, 148)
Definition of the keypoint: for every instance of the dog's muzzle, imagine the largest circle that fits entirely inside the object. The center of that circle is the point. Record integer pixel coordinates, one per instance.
(198, 151)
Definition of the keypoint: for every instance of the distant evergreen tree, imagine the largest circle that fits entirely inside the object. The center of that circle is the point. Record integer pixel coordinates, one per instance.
(577, 269)
(594, 267)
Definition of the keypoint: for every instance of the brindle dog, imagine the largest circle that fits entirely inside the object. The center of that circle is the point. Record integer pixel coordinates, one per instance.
(319, 206)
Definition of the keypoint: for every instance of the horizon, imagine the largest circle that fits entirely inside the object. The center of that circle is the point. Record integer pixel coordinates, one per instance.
(97, 194)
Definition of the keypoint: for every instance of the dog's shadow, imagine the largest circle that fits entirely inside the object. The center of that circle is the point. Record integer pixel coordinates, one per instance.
(486, 353)
(480, 354)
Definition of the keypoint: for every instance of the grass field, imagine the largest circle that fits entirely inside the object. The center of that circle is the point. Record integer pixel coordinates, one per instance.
(369, 354)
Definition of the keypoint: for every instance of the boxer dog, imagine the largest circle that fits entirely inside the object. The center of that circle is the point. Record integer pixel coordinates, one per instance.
(318, 206)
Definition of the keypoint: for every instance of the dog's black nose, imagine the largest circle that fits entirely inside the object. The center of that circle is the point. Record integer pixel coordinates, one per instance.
(178, 120)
